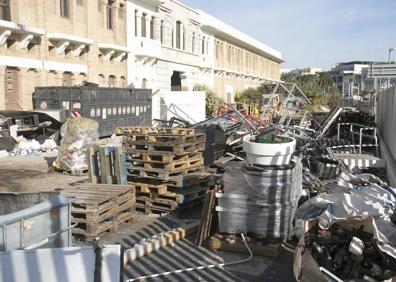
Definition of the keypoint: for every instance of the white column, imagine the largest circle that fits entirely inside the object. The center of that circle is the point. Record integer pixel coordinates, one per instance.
(148, 26)
(196, 42)
(174, 35)
(139, 23)
(181, 36)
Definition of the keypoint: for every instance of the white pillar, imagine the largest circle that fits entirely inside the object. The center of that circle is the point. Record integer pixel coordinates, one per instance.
(174, 35)
(196, 42)
(148, 26)
(181, 36)
(139, 23)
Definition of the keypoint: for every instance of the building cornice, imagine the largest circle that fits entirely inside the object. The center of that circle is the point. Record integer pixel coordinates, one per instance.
(228, 71)
(227, 32)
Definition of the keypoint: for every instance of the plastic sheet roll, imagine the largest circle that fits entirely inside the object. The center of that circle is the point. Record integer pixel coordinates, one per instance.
(259, 200)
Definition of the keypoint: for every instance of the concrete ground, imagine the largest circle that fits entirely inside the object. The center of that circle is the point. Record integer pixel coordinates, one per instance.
(34, 174)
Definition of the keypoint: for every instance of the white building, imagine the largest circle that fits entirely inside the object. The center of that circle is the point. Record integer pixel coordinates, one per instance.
(174, 47)
(379, 76)
(348, 77)
(306, 71)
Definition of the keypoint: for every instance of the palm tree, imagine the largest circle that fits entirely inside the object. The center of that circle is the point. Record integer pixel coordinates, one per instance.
(325, 82)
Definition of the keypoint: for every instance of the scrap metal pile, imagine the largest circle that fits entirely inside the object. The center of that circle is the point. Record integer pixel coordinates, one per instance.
(350, 254)
(293, 172)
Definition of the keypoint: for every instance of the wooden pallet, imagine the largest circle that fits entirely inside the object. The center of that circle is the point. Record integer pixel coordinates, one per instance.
(188, 180)
(191, 193)
(157, 189)
(76, 172)
(177, 149)
(175, 176)
(171, 167)
(162, 159)
(154, 130)
(164, 139)
(234, 243)
(100, 207)
(150, 210)
(186, 209)
(178, 198)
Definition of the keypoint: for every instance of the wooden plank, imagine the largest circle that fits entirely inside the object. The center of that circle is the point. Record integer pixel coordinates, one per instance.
(93, 169)
(106, 164)
(164, 175)
(169, 149)
(155, 158)
(154, 130)
(206, 217)
(164, 139)
(168, 167)
(235, 244)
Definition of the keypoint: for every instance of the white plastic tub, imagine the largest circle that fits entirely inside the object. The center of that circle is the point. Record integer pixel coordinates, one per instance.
(267, 153)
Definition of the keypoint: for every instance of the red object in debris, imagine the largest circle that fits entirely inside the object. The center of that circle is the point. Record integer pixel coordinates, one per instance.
(75, 114)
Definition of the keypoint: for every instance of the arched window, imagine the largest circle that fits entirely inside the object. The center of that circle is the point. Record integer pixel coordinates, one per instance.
(64, 8)
(67, 79)
(112, 81)
(203, 45)
(109, 14)
(193, 43)
(144, 27)
(5, 13)
(144, 83)
(162, 32)
(178, 32)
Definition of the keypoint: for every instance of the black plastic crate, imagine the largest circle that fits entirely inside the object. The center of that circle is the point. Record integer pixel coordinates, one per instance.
(111, 107)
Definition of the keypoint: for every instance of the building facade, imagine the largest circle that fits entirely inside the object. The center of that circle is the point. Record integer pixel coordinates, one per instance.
(175, 47)
(159, 44)
(379, 76)
(59, 43)
(348, 78)
(302, 71)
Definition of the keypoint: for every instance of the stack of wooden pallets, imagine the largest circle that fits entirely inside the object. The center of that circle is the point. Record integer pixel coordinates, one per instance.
(97, 208)
(166, 166)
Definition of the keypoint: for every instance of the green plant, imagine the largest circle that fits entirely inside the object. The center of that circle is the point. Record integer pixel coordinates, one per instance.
(213, 102)
(319, 88)
(251, 95)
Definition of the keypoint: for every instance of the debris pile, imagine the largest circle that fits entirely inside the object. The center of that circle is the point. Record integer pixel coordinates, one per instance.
(347, 250)
(79, 134)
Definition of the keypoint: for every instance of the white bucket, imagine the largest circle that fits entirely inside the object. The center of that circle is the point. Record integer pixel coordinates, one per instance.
(268, 154)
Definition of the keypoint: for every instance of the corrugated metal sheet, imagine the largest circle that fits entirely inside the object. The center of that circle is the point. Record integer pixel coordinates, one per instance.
(182, 254)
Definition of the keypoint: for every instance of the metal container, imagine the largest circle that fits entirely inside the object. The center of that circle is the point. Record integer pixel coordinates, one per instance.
(111, 107)
(32, 220)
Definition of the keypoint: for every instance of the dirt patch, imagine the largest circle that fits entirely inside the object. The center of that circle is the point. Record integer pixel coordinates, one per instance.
(33, 174)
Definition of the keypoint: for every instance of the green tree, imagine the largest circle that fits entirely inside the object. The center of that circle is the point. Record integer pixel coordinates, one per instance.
(250, 95)
(213, 102)
(319, 88)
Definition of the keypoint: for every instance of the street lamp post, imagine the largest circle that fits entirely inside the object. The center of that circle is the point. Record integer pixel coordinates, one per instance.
(390, 50)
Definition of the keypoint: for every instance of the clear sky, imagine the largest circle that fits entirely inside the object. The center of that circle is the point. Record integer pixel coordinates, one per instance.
(315, 33)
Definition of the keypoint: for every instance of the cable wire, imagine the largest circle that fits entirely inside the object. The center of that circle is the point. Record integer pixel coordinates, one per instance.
(199, 267)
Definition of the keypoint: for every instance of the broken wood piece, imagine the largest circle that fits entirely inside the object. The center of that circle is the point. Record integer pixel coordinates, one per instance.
(206, 218)
(234, 243)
